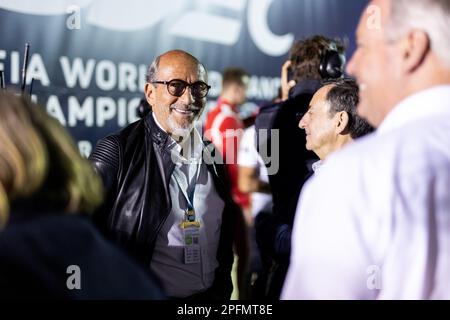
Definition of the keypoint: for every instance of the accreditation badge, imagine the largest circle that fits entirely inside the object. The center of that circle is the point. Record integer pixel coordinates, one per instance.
(191, 235)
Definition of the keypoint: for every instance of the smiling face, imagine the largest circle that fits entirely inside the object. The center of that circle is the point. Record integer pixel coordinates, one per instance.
(176, 114)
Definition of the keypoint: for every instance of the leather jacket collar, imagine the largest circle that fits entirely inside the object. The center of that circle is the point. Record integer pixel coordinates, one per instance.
(159, 136)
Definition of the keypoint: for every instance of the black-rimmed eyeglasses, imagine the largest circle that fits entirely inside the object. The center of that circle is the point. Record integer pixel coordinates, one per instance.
(176, 87)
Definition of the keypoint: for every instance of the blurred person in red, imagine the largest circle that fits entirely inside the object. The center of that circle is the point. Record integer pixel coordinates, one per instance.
(225, 128)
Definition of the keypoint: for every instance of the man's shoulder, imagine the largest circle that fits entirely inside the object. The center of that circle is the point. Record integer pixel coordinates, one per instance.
(411, 140)
(227, 111)
(224, 119)
(395, 153)
(211, 116)
(356, 160)
(347, 178)
(120, 137)
(354, 151)
(130, 129)
(109, 149)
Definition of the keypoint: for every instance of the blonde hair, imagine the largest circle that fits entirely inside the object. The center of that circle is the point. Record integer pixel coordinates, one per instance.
(3, 206)
(40, 162)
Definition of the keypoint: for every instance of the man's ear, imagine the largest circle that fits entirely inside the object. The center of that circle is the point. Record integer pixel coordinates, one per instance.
(150, 92)
(415, 47)
(342, 122)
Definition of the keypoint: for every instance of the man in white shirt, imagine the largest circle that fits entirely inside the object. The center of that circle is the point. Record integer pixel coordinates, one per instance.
(253, 175)
(375, 223)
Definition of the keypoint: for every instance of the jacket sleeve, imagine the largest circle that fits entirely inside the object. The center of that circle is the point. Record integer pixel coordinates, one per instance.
(106, 159)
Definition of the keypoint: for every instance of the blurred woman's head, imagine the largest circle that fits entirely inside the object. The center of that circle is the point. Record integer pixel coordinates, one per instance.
(39, 163)
(3, 203)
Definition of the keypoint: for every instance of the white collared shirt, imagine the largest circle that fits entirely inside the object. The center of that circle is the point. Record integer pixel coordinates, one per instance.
(180, 279)
(375, 223)
(316, 166)
(248, 156)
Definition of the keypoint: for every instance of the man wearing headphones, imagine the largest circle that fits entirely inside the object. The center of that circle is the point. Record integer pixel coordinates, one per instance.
(311, 61)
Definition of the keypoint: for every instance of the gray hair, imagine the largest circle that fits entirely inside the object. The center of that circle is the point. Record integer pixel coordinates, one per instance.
(431, 16)
(153, 70)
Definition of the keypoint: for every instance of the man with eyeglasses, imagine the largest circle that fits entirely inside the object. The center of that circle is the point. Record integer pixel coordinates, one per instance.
(167, 203)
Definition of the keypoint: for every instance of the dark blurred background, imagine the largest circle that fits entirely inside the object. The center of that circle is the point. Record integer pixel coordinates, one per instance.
(89, 57)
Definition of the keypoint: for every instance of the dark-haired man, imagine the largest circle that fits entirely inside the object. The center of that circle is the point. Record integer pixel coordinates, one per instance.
(308, 62)
(375, 223)
(331, 121)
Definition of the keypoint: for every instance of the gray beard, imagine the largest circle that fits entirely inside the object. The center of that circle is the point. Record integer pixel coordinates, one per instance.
(179, 132)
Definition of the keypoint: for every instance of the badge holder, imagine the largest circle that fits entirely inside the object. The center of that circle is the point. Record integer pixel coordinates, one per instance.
(191, 235)
(189, 226)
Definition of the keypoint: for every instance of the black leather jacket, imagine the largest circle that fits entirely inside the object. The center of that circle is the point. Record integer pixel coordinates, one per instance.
(136, 167)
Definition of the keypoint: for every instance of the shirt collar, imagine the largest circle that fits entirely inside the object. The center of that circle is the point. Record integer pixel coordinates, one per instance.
(423, 104)
(157, 122)
(316, 166)
(189, 150)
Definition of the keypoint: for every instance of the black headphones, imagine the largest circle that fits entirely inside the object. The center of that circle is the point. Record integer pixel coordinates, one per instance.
(332, 64)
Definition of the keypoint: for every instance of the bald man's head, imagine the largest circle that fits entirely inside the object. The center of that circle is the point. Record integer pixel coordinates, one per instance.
(170, 55)
(176, 90)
